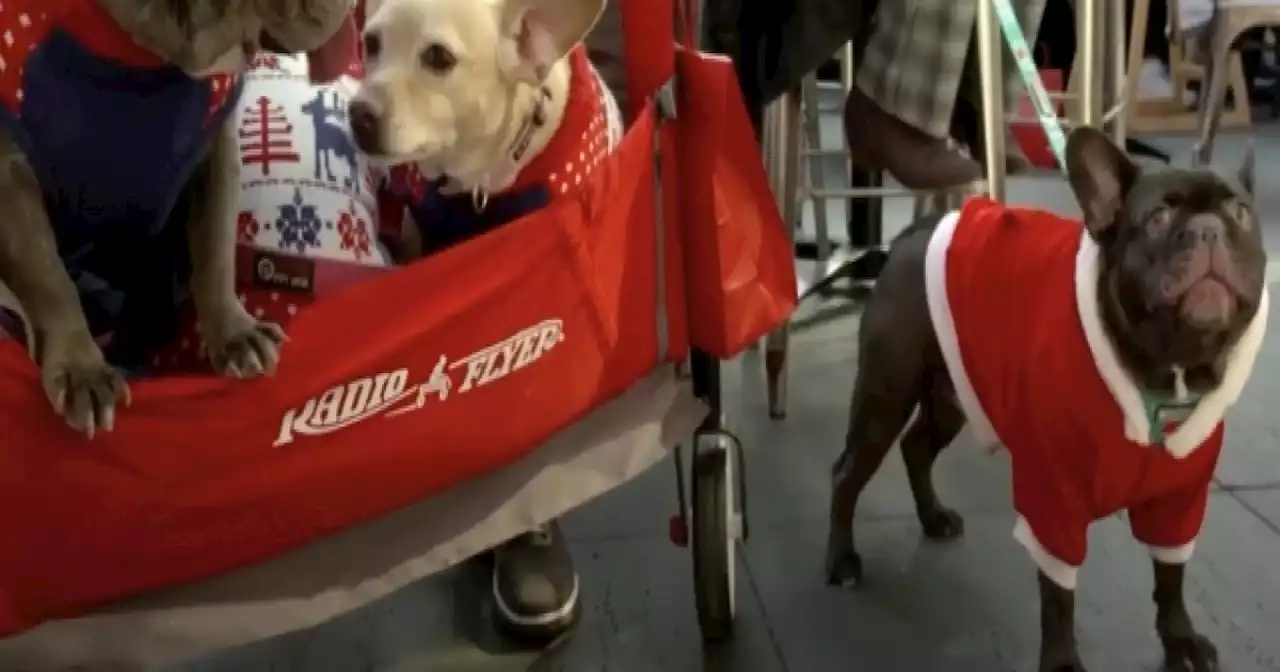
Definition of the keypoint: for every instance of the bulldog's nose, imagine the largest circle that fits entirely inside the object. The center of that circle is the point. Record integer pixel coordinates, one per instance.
(1203, 230)
(364, 125)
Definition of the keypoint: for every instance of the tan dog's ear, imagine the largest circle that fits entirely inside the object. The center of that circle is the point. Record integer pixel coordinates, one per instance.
(303, 25)
(537, 33)
(1100, 174)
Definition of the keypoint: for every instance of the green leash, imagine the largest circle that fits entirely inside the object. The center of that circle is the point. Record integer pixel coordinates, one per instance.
(1017, 42)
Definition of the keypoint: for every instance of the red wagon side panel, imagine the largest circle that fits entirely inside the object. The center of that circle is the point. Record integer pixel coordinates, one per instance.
(388, 393)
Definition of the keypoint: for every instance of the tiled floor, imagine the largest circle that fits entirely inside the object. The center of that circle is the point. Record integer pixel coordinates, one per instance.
(968, 605)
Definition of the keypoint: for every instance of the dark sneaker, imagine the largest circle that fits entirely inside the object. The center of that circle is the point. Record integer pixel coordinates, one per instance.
(535, 588)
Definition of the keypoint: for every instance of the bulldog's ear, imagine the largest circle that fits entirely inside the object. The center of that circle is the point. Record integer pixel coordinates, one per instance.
(296, 26)
(1245, 174)
(1100, 174)
(537, 33)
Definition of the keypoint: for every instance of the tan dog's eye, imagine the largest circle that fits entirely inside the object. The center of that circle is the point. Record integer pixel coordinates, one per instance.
(438, 58)
(372, 45)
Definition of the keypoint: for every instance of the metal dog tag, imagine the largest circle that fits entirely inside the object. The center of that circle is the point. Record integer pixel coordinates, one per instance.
(1168, 418)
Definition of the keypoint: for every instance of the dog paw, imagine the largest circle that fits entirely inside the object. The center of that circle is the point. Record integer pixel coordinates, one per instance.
(1190, 653)
(844, 568)
(1075, 666)
(941, 524)
(83, 388)
(249, 352)
(1065, 660)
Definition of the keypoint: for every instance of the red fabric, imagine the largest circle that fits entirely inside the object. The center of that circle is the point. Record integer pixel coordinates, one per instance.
(204, 475)
(1011, 287)
(341, 55)
(582, 139)
(649, 36)
(739, 261)
(26, 23)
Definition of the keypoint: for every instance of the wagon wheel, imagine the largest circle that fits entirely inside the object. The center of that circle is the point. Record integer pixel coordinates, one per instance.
(716, 529)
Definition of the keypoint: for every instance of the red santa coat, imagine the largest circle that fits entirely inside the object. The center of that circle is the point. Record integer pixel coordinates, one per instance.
(1013, 297)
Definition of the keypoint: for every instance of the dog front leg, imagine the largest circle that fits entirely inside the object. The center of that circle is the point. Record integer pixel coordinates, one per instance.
(238, 345)
(1058, 650)
(83, 388)
(1185, 650)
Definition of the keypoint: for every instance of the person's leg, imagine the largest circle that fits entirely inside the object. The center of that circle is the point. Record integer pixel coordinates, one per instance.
(535, 586)
(1029, 14)
(898, 115)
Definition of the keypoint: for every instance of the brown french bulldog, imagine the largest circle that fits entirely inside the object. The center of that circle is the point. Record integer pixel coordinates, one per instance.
(1102, 357)
(118, 108)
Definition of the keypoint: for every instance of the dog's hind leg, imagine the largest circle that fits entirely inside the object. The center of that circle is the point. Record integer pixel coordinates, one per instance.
(883, 399)
(936, 425)
(896, 339)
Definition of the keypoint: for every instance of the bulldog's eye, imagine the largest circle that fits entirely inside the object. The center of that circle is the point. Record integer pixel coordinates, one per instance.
(437, 58)
(1159, 221)
(372, 45)
(1243, 216)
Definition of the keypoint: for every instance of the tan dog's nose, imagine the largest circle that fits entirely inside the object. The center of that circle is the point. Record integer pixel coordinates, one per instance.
(364, 126)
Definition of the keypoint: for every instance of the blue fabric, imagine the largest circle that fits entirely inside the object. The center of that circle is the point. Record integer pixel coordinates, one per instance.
(448, 220)
(113, 146)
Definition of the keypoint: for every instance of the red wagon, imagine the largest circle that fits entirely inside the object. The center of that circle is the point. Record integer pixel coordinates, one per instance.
(428, 425)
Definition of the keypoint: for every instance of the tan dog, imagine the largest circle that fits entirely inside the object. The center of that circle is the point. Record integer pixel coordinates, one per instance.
(478, 91)
(89, 188)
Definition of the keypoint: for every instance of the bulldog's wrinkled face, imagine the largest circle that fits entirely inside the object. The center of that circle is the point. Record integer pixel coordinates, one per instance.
(1183, 262)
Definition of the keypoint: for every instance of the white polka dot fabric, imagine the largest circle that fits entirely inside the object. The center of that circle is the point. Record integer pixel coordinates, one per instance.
(597, 140)
(20, 31)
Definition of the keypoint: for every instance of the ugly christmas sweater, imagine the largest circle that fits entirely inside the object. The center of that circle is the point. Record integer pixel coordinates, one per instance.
(113, 133)
(1013, 297)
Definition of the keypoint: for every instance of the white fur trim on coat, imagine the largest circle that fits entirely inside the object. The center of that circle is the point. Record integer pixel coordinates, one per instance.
(944, 326)
(1173, 555)
(1212, 406)
(1058, 571)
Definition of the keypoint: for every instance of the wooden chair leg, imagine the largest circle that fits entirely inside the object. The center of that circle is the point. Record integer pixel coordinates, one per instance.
(1213, 93)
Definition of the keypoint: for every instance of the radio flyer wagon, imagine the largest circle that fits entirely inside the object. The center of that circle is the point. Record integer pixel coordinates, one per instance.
(406, 430)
